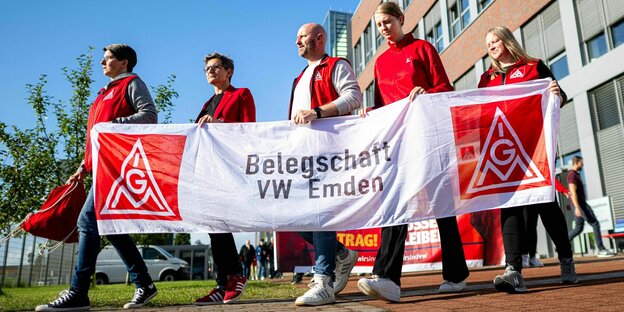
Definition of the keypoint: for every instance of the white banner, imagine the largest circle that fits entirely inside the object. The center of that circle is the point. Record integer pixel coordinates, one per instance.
(444, 154)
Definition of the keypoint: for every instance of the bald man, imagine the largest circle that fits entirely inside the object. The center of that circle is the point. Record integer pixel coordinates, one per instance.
(326, 87)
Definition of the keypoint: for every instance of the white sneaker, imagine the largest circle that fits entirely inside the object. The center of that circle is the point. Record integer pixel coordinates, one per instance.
(343, 270)
(525, 261)
(321, 292)
(605, 254)
(380, 288)
(535, 263)
(450, 287)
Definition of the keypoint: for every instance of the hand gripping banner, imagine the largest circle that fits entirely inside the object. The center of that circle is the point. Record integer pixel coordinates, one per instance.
(443, 154)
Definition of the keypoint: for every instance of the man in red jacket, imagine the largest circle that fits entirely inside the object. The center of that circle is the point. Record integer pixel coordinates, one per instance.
(326, 87)
(125, 99)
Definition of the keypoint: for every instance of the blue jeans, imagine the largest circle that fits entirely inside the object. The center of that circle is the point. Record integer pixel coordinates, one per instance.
(89, 247)
(590, 217)
(326, 247)
(261, 268)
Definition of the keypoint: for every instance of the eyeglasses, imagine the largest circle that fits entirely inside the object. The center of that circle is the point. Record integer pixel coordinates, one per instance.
(215, 67)
(107, 58)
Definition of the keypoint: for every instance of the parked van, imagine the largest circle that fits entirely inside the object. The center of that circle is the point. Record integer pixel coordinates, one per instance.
(161, 265)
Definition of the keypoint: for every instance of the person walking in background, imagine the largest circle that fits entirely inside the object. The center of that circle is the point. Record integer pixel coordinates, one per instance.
(228, 104)
(408, 68)
(261, 258)
(511, 64)
(247, 254)
(270, 258)
(582, 211)
(326, 87)
(125, 99)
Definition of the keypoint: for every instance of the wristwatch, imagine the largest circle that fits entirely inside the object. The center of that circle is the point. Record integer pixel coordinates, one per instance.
(318, 112)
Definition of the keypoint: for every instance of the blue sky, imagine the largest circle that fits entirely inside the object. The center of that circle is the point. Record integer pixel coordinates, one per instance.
(170, 37)
(41, 37)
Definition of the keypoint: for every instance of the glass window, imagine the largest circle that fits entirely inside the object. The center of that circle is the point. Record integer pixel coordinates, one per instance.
(459, 15)
(368, 44)
(559, 67)
(483, 4)
(438, 33)
(617, 31)
(465, 15)
(151, 254)
(596, 46)
(357, 58)
(370, 95)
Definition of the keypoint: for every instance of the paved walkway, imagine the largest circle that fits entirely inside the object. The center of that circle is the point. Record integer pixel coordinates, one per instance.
(601, 288)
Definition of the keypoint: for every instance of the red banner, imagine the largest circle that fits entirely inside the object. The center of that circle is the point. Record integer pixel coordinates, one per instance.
(480, 233)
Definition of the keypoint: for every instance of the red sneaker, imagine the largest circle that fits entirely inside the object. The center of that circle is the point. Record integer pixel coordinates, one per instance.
(215, 296)
(235, 288)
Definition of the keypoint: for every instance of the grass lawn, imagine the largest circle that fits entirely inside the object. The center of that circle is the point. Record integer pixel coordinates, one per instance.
(169, 293)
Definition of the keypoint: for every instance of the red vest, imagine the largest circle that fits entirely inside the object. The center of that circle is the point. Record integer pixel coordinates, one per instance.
(522, 70)
(322, 89)
(109, 104)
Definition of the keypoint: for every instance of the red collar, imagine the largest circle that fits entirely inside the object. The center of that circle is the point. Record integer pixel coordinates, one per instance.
(407, 39)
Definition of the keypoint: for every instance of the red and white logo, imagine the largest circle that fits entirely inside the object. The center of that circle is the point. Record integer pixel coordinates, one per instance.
(504, 155)
(500, 147)
(516, 74)
(318, 77)
(109, 95)
(137, 176)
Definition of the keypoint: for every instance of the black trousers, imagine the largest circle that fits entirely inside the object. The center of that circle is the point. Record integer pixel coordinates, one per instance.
(514, 231)
(530, 218)
(225, 257)
(389, 259)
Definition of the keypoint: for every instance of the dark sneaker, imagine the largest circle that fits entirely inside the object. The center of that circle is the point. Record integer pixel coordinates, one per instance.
(215, 296)
(511, 282)
(297, 278)
(142, 296)
(234, 289)
(568, 273)
(68, 300)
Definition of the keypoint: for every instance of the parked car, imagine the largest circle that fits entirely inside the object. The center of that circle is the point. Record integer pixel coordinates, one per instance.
(160, 264)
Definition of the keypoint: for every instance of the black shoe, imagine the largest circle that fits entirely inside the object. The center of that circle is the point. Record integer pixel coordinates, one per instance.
(511, 282)
(297, 278)
(142, 296)
(68, 300)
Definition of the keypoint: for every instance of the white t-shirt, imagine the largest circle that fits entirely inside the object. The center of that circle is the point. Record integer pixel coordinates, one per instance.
(343, 80)
(302, 99)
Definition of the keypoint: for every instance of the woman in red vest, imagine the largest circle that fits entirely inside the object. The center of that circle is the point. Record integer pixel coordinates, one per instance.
(408, 68)
(511, 64)
(228, 104)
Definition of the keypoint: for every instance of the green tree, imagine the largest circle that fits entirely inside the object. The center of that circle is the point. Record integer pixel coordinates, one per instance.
(35, 160)
(182, 239)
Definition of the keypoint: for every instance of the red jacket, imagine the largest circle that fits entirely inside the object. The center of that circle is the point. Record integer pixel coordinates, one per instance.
(407, 64)
(110, 103)
(322, 89)
(236, 105)
(522, 70)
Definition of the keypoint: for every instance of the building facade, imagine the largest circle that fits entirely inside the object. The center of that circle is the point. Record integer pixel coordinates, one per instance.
(580, 40)
(338, 27)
